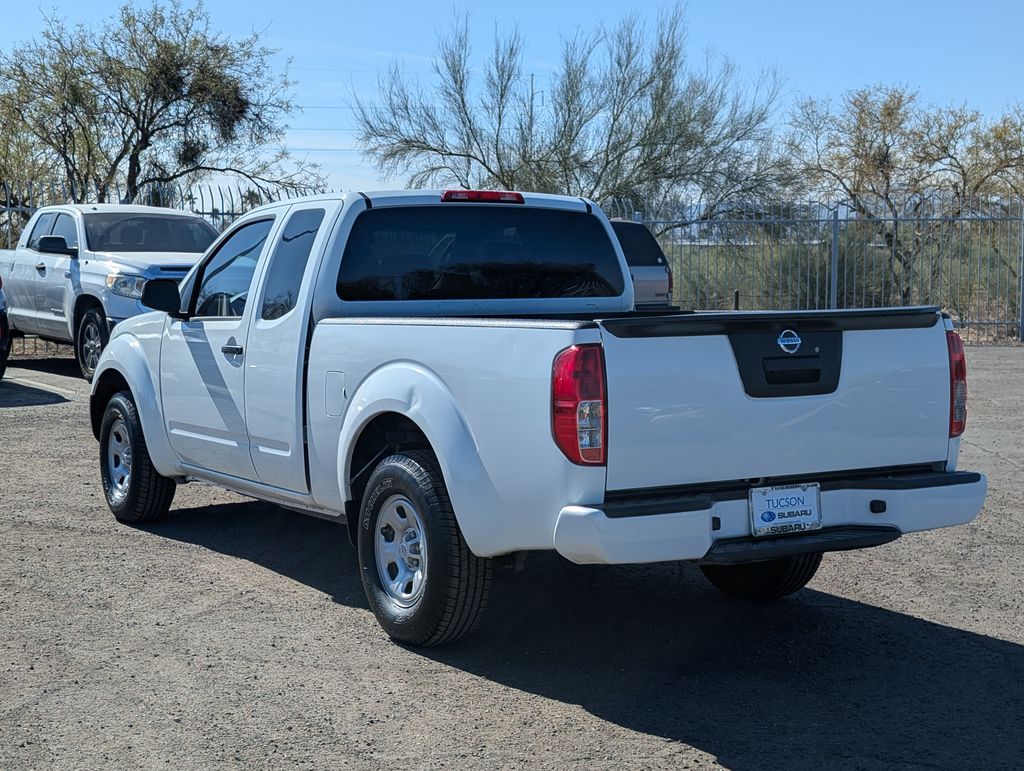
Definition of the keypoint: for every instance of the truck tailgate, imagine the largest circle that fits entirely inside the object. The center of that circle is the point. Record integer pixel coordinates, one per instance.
(724, 396)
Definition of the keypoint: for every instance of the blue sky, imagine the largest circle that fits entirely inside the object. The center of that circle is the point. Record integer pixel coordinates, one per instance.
(960, 53)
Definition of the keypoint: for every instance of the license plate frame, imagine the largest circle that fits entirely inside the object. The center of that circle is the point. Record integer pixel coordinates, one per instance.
(774, 512)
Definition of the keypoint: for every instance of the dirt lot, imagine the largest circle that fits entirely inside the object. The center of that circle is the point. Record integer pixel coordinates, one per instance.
(236, 634)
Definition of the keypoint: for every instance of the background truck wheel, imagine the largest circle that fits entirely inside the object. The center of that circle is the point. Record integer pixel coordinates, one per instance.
(423, 583)
(5, 344)
(134, 491)
(90, 340)
(764, 580)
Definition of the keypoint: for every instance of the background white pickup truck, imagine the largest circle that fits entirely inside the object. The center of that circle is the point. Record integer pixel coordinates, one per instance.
(79, 269)
(460, 376)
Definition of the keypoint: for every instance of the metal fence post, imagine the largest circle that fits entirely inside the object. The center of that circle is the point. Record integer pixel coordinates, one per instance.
(833, 284)
(1020, 274)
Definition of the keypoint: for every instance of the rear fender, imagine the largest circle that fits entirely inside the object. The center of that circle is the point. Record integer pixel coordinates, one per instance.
(410, 389)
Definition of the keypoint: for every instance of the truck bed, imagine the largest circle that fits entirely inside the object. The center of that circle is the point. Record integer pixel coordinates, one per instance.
(693, 399)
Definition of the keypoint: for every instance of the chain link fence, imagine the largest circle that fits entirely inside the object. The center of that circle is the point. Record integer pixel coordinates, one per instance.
(966, 257)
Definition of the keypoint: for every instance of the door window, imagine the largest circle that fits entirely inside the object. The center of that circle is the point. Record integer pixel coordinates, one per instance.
(288, 262)
(40, 229)
(65, 226)
(226, 277)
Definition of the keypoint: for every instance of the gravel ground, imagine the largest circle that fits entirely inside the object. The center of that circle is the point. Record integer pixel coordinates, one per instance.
(235, 634)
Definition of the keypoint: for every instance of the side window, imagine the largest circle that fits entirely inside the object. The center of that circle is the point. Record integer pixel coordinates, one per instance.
(227, 276)
(40, 229)
(288, 262)
(65, 226)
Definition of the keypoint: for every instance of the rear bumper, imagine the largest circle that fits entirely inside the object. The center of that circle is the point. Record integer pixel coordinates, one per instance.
(716, 528)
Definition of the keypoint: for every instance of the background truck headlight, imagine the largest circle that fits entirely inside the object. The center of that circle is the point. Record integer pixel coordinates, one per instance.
(126, 285)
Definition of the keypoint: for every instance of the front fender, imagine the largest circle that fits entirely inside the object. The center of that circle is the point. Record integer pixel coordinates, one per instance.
(125, 358)
(412, 390)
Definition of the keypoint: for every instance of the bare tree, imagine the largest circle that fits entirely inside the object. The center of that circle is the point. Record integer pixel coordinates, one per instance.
(151, 97)
(624, 115)
(903, 168)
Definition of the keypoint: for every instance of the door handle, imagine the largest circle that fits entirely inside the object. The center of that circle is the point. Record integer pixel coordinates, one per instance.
(232, 350)
(40, 266)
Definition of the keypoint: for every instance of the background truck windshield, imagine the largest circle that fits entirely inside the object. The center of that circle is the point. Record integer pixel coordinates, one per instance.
(461, 251)
(110, 232)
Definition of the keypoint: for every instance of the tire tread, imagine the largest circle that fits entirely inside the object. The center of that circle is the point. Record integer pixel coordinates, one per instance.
(468, 580)
(155, 492)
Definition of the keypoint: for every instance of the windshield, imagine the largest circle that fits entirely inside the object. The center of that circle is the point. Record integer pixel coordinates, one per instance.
(461, 251)
(108, 232)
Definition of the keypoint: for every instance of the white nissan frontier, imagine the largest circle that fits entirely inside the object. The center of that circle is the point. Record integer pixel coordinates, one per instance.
(460, 376)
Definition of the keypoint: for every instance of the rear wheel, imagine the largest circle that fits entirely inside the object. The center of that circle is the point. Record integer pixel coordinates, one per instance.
(423, 583)
(764, 580)
(90, 340)
(134, 491)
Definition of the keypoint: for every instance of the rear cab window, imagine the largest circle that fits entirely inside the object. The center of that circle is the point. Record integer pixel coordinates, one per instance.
(477, 252)
(639, 245)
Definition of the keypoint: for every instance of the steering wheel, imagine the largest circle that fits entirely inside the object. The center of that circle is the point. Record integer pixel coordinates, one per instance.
(237, 303)
(223, 304)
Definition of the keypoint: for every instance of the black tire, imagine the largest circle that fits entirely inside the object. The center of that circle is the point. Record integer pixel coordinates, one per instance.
(142, 495)
(5, 343)
(92, 330)
(763, 581)
(455, 582)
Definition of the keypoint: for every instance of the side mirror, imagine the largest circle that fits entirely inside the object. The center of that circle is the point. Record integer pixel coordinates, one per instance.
(57, 245)
(161, 294)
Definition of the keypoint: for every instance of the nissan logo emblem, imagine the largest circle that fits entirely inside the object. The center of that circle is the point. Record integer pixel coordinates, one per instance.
(789, 341)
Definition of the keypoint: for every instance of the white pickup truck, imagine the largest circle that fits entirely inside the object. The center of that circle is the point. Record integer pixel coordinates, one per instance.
(79, 269)
(459, 377)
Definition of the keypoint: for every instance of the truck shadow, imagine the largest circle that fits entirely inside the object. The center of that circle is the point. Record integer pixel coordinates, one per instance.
(17, 395)
(815, 681)
(67, 367)
(309, 550)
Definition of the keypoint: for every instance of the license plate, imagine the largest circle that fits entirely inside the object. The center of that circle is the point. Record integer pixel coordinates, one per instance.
(785, 509)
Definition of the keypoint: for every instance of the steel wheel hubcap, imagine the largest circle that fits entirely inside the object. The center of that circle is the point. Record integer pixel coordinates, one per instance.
(119, 460)
(91, 345)
(400, 546)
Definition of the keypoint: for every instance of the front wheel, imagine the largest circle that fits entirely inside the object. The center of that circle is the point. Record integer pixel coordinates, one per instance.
(5, 343)
(135, 492)
(90, 340)
(423, 583)
(768, 580)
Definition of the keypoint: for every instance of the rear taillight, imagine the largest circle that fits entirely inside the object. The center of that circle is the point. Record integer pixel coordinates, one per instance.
(670, 283)
(579, 417)
(957, 385)
(483, 196)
